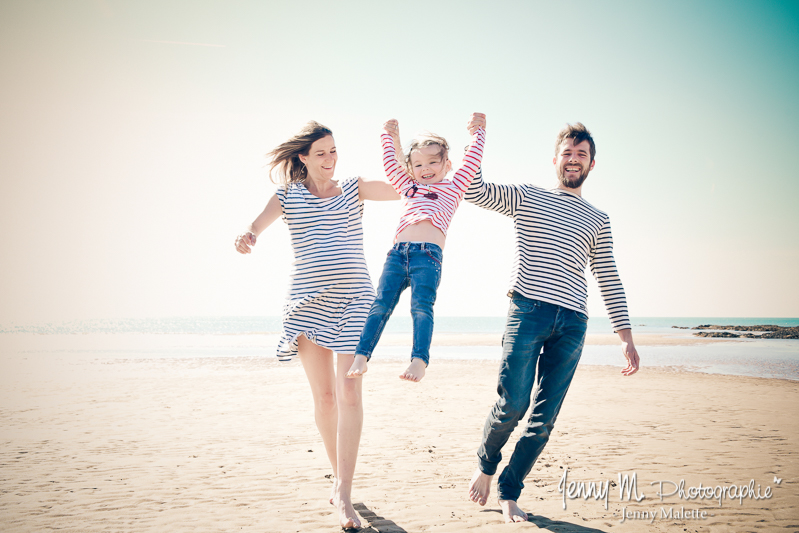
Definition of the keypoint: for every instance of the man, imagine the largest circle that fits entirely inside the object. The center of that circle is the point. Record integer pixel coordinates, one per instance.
(557, 235)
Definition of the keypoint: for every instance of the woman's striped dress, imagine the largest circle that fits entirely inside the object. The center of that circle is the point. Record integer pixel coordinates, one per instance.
(331, 292)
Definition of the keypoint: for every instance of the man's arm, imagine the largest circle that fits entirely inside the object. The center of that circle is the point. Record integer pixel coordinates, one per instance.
(603, 267)
(503, 199)
(629, 351)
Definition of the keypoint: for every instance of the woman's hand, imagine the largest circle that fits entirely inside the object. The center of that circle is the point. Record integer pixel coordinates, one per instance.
(244, 241)
(477, 120)
(271, 212)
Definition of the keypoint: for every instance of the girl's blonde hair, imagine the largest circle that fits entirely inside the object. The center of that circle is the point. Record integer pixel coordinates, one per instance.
(285, 158)
(424, 140)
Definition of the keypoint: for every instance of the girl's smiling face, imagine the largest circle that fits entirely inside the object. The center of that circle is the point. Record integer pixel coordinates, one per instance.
(321, 158)
(430, 164)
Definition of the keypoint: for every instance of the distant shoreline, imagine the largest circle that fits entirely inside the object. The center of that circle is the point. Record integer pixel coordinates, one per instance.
(399, 324)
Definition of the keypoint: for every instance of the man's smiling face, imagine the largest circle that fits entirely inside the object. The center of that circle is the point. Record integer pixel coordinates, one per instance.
(573, 163)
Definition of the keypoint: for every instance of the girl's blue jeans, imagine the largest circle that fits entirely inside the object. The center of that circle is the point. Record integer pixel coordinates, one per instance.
(409, 264)
(541, 347)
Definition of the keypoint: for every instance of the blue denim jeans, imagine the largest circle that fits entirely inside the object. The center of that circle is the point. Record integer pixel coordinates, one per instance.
(537, 335)
(414, 264)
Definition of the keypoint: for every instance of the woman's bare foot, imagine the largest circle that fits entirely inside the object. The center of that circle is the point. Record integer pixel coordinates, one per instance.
(511, 512)
(333, 492)
(347, 516)
(415, 372)
(358, 367)
(480, 487)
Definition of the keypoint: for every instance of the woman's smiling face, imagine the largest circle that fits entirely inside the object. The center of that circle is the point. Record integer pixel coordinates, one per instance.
(321, 158)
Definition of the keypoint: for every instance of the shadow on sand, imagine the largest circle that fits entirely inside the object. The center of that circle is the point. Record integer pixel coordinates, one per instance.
(377, 524)
(553, 525)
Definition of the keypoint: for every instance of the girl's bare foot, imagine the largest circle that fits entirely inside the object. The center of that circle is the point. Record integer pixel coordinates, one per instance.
(347, 517)
(480, 487)
(358, 367)
(415, 372)
(511, 512)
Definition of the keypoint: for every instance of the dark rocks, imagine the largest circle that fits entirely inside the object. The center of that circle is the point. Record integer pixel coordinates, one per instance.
(768, 331)
(743, 328)
(716, 334)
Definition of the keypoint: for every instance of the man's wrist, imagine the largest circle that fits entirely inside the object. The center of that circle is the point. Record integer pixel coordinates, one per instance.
(626, 335)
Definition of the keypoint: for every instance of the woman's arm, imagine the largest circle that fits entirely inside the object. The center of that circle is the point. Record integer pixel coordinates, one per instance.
(270, 213)
(376, 190)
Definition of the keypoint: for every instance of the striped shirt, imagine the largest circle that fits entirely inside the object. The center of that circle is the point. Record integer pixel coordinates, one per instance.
(450, 193)
(557, 234)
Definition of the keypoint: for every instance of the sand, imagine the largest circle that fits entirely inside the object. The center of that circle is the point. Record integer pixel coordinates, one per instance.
(605, 339)
(92, 443)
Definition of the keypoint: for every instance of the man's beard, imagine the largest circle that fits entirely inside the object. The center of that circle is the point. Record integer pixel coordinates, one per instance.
(573, 183)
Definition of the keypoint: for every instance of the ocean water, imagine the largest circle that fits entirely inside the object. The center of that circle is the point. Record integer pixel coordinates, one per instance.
(258, 337)
(232, 325)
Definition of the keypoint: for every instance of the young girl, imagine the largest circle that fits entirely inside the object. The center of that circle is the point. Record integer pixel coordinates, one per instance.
(429, 202)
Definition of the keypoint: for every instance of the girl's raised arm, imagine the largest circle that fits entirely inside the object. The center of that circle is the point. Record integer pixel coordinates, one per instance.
(270, 213)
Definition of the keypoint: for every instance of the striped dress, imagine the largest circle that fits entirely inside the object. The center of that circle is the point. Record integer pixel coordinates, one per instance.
(331, 292)
(558, 234)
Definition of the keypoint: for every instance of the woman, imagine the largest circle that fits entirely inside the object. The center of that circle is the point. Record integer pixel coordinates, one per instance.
(330, 293)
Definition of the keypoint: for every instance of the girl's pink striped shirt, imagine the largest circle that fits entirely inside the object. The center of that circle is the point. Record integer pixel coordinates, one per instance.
(449, 192)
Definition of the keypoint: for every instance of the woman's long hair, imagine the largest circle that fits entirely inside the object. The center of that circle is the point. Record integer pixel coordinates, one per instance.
(285, 158)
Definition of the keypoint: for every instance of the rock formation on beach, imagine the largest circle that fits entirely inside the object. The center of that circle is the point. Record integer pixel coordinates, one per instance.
(768, 331)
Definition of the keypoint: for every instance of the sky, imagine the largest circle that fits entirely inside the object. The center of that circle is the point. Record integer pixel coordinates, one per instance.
(134, 134)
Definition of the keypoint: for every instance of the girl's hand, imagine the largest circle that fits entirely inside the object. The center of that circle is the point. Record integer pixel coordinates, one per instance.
(392, 128)
(477, 120)
(243, 242)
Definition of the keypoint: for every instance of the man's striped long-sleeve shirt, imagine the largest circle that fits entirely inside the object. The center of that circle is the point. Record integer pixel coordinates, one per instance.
(558, 234)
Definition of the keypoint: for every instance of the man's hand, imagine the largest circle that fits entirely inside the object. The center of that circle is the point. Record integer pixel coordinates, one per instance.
(477, 120)
(629, 351)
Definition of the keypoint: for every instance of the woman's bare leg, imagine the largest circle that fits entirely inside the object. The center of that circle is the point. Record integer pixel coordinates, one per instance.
(350, 423)
(318, 365)
(338, 410)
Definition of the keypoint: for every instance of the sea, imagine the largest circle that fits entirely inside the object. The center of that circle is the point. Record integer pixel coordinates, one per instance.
(231, 336)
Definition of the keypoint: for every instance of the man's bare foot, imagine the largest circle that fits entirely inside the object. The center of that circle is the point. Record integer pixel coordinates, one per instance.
(511, 512)
(415, 372)
(358, 367)
(347, 517)
(480, 487)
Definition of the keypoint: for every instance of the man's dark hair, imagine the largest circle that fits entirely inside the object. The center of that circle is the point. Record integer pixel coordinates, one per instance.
(579, 133)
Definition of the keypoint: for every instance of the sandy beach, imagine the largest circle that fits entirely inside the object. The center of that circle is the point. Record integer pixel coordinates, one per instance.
(97, 443)
(595, 339)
